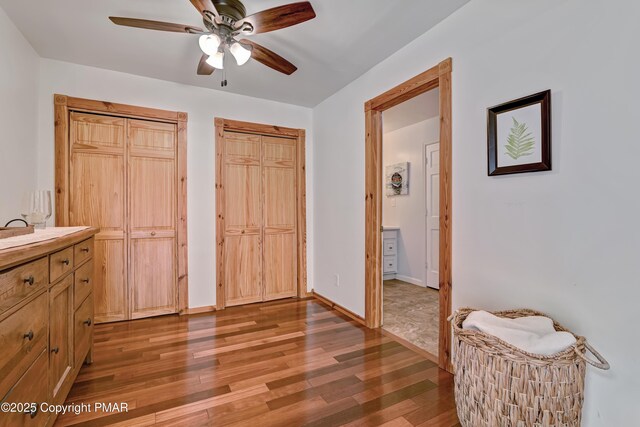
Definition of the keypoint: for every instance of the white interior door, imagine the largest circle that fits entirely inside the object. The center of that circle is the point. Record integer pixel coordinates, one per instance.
(432, 212)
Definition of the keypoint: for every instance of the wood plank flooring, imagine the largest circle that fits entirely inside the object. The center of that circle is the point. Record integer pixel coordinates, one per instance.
(285, 363)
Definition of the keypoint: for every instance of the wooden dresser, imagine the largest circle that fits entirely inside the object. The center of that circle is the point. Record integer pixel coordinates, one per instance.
(46, 323)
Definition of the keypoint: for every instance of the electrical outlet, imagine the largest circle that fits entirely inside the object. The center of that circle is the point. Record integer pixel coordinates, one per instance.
(336, 280)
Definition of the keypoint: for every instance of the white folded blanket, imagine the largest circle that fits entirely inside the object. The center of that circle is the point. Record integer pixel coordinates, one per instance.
(533, 334)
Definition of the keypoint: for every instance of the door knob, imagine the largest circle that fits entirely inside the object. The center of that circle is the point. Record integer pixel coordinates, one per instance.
(55, 350)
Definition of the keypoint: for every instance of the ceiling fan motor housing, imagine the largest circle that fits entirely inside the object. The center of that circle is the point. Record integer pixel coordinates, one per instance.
(233, 9)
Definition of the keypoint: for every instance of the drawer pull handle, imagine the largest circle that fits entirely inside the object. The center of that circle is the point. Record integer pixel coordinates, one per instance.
(84, 250)
(85, 280)
(33, 412)
(153, 233)
(87, 322)
(65, 261)
(55, 350)
(30, 280)
(28, 335)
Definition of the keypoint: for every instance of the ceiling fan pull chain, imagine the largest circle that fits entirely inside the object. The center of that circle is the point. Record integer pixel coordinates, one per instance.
(223, 83)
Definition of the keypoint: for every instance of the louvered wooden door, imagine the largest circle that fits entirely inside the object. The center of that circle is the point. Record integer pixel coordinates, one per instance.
(123, 180)
(259, 218)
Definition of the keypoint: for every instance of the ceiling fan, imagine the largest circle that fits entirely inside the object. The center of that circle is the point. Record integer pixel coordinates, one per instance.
(226, 22)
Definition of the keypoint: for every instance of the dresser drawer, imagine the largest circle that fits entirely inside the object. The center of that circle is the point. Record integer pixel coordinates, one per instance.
(83, 330)
(19, 282)
(83, 251)
(389, 264)
(83, 283)
(29, 389)
(60, 263)
(389, 247)
(23, 335)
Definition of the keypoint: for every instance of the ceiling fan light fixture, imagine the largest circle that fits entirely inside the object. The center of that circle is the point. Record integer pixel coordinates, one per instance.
(240, 52)
(209, 43)
(216, 60)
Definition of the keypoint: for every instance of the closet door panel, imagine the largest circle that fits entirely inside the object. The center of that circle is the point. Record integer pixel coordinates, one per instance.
(152, 191)
(97, 190)
(279, 198)
(279, 189)
(154, 276)
(109, 280)
(98, 198)
(243, 211)
(96, 132)
(152, 218)
(279, 265)
(243, 219)
(152, 138)
(243, 273)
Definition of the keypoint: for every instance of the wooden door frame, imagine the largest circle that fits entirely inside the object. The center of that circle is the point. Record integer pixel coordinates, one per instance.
(63, 106)
(222, 125)
(436, 77)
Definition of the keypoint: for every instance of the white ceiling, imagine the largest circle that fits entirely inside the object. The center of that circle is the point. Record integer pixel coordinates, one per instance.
(415, 110)
(345, 40)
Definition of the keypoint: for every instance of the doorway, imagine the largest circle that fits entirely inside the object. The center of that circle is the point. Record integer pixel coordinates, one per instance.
(410, 218)
(260, 213)
(436, 77)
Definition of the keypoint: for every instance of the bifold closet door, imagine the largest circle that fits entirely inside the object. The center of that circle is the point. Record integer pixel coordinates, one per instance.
(152, 218)
(259, 218)
(243, 219)
(123, 179)
(98, 197)
(279, 194)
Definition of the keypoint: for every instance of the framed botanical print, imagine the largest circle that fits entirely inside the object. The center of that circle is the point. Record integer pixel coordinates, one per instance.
(519, 135)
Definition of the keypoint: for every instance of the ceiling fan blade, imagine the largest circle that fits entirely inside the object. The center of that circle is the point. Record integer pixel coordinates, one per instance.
(155, 25)
(205, 69)
(279, 17)
(269, 58)
(205, 5)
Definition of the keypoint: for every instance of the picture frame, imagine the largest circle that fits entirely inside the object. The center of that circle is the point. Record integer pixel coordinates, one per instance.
(397, 179)
(519, 135)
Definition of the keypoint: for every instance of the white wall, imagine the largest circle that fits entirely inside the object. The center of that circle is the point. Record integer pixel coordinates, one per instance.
(408, 212)
(18, 97)
(202, 105)
(565, 242)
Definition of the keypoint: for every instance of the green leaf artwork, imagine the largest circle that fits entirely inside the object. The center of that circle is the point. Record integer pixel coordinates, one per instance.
(520, 142)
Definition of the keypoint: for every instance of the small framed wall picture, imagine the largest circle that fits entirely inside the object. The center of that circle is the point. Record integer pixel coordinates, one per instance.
(519, 135)
(397, 179)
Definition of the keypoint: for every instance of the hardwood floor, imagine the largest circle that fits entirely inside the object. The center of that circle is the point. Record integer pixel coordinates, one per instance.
(285, 363)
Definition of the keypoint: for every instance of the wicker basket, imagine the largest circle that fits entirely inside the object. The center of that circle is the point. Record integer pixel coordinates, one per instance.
(497, 384)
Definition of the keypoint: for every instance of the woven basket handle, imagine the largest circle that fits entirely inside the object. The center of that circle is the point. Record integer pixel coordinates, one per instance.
(602, 362)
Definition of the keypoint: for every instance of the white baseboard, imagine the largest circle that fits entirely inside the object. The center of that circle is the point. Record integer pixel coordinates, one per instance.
(411, 280)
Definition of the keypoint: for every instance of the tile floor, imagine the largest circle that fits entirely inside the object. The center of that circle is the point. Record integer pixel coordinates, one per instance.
(411, 312)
